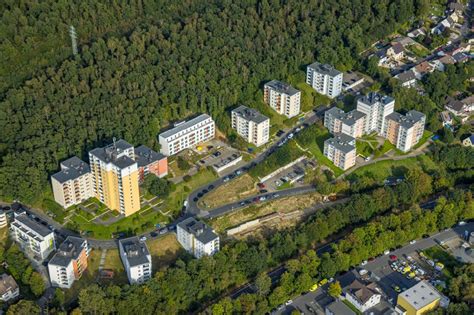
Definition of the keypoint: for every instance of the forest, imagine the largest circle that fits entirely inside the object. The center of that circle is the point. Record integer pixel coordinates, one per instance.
(162, 61)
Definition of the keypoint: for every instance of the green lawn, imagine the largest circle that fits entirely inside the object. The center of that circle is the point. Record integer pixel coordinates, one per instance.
(285, 186)
(438, 254)
(419, 50)
(386, 147)
(426, 136)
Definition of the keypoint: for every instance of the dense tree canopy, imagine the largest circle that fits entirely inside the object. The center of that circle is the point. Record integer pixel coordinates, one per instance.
(190, 56)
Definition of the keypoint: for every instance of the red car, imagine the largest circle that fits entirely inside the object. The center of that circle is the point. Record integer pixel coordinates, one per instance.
(393, 257)
(261, 185)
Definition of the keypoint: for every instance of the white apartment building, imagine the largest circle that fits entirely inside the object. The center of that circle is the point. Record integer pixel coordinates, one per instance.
(282, 97)
(376, 107)
(363, 296)
(187, 134)
(351, 123)
(8, 288)
(404, 131)
(341, 150)
(251, 125)
(69, 262)
(325, 79)
(197, 238)
(136, 259)
(34, 239)
(73, 184)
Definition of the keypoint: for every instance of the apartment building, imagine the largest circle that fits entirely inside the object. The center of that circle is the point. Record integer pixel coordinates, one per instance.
(136, 259)
(341, 150)
(404, 131)
(376, 107)
(187, 134)
(351, 123)
(150, 162)
(69, 262)
(73, 184)
(282, 97)
(325, 79)
(419, 299)
(197, 238)
(363, 295)
(9, 289)
(115, 177)
(35, 240)
(251, 125)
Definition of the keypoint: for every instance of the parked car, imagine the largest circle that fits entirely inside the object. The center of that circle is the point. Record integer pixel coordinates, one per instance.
(393, 257)
(153, 234)
(263, 191)
(412, 242)
(143, 238)
(261, 185)
(289, 302)
(364, 263)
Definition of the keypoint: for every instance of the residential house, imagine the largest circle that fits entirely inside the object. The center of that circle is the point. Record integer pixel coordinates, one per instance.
(187, 134)
(407, 78)
(445, 24)
(9, 289)
(461, 57)
(396, 52)
(436, 64)
(69, 262)
(419, 299)
(136, 259)
(363, 295)
(456, 7)
(197, 238)
(447, 60)
(416, 33)
(251, 125)
(422, 69)
(459, 108)
(35, 240)
(446, 118)
(469, 141)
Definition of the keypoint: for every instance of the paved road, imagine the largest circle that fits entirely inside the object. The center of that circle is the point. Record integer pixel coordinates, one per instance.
(376, 266)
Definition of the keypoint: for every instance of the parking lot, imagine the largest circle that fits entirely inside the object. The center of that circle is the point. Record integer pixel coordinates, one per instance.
(224, 159)
(292, 175)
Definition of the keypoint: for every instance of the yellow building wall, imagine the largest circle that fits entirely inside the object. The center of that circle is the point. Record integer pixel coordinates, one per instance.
(412, 311)
(131, 193)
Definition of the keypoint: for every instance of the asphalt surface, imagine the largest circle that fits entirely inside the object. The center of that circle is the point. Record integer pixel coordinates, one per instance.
(380, 267)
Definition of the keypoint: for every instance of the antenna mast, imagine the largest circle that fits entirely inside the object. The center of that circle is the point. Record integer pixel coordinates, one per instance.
(73, 34)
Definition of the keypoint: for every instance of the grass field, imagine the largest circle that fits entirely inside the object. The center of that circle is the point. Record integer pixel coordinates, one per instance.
(234, 190)
(437, 253)
(164, 251)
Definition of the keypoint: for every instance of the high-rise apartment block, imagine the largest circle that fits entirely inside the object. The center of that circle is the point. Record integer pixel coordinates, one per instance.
(35, 240)
(136, 259)
(325, 79)
(404, 131)
(376, 107)
(341, 150)
(282, 97)
(150, 162)
(69, 262)
(187, 134)
(197, 238)
(351, 123)
(115, 177)
(251, 125)
(73, 184)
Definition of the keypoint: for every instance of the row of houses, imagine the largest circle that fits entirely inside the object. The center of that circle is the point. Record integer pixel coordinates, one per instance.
(374, 113)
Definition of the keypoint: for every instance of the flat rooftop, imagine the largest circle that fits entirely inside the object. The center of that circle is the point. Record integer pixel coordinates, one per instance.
(250, 114)
(348, 118)
(201, 231)
(408, 120)
(145, 156)
(420, 295)
(113, 153)
(324, 69)
(282, 87)
(71, 169)
(375, 98)
(69, 250)
(33, 225)
(185, 125)
(135, 250)
(342, 142)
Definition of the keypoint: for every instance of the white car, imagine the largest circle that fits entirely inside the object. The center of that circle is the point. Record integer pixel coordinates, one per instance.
(462, 223)
(289, 302)
(412, 242)
(386, 252)
(143, 238)
(364, 263)
(290, 135)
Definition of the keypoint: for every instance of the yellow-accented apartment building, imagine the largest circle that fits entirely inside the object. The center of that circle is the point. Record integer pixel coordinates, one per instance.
(419, 299)
(115, 177)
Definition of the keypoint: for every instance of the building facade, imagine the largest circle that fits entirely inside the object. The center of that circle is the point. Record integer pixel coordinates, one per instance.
(115, 177)
(35, 240)
(9, 289)
(282, 97)
(376, 107)
(341, 150)
(150, 162)
(363, 296)
(404, 131)
(73, 184)
(351, 123)
(197, 238)
(136, 259)
(3, 219)
(419, 299)
(69, 262)
(325, 79)
(251, 125)
(187, 134)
